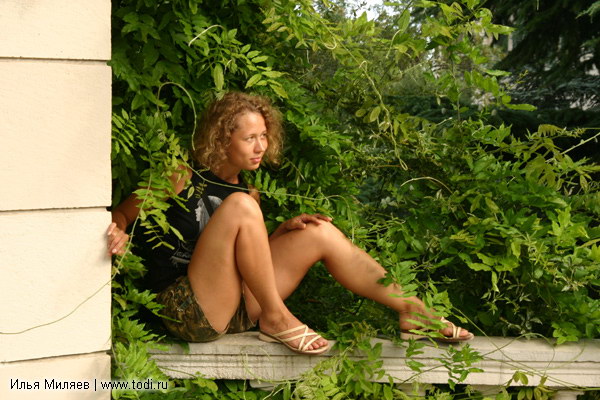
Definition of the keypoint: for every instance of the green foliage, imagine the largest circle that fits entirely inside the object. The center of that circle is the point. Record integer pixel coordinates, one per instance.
(388, 130)
(514, 217)
(458, 363)
(132, 340)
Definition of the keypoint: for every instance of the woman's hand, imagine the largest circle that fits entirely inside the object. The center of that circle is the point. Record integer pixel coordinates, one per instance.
(117, 240)
(302, 220)
(299, 222)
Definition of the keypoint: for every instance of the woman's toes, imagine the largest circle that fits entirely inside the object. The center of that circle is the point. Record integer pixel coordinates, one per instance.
(449, 332)
(319, 343)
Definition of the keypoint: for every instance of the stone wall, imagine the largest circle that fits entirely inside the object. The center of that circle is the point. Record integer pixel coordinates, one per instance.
(55, 105)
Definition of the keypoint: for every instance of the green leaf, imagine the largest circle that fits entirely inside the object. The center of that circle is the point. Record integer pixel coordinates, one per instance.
(496, 72)
(522, 107)
(280, 91)
(138, 101)
(260, 59)
(360, 112)
(495, 282)
(374, 114)
(387, 393)
(414, 365)
(403, 22)
(478, 266)
(272, 74)
(254, 79)
(217, 74)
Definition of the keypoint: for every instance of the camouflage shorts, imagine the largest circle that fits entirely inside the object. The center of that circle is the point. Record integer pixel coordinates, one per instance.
(189, 323)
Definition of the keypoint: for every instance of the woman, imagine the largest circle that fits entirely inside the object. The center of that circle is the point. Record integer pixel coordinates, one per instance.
(228, 273)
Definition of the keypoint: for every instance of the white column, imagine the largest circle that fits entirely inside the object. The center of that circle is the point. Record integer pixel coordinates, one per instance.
(55, 116)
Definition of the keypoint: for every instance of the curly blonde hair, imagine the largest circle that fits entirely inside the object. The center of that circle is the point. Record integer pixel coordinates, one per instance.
(219, 120)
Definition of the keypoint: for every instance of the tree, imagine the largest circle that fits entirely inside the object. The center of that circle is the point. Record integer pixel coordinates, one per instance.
(556, 40)
(554, 55)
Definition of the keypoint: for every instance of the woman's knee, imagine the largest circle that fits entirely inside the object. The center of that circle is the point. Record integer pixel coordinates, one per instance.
(242, 204)
(323, 239)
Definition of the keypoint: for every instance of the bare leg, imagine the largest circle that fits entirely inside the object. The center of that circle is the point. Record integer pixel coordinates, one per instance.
(233, 248)
(295, 252)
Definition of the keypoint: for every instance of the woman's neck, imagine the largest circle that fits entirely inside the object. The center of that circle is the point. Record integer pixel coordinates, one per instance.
(230, 176)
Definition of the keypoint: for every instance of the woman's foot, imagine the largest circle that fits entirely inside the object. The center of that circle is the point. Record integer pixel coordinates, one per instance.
(451, 333)
(289, 331)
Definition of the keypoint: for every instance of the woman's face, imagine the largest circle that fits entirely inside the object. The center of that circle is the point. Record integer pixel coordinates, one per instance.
(248, 142)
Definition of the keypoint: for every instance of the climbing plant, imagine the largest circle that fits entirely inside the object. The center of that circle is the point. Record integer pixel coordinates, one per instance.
(391, 129)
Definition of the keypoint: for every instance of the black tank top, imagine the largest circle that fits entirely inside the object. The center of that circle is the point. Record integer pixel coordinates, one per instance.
(164, 264)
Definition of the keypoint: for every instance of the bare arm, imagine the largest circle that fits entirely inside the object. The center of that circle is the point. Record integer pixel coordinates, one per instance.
(125, 213)
(122, 216)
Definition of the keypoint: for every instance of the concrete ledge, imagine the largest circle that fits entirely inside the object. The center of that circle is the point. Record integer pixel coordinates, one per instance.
(243, 356)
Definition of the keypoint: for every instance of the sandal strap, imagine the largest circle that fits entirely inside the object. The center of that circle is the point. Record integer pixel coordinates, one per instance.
(455, 332)
(302, 345)
(277, 335)
(455, 329)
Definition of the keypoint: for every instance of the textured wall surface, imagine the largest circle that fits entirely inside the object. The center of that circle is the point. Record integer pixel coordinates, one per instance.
(55, 29)
(51, 117)
(55, 103)
(56, 280)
